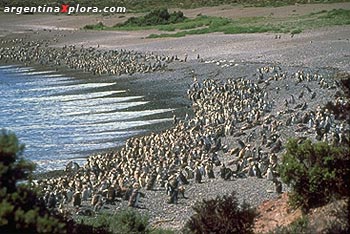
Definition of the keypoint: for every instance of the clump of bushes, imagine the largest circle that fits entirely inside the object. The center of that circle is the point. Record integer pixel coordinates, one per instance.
(98, 26)
(155, 17)
(125, 221)
(317, 173)
(21, 211)
(221, 215)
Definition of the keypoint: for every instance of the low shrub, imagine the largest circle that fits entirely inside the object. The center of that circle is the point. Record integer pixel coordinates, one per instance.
(296, 31)
(221, 215)
(21, 210)
(155, 17)
(98, 26)
(316, 173)
(122, 222)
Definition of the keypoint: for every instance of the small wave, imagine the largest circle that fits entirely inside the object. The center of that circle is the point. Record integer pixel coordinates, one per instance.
(37, 73)
(71, 97)
(51, 76)
(15, 69)
(117, 116)
(70, 87)
(7, 66)
(92, 110)
(88, 127)
(105, 101)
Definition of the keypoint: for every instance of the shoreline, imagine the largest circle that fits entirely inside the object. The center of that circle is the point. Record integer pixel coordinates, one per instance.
(125, 84)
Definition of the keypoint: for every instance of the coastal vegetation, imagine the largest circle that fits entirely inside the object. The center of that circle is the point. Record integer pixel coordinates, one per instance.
(123, 222)
(293, 24)
(180, 26)
(319, 178)
(150, 20)
(317, 173)
(21, 210)
(155, 17)
(221, 215)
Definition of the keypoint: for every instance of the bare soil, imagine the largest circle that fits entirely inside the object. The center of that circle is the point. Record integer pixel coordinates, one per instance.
(275, 213)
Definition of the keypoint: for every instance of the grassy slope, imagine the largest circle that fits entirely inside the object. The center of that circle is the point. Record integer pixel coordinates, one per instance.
(209, 24)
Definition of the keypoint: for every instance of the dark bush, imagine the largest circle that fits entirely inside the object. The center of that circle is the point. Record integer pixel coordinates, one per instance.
(155, 17)
(221, 215)
(98, 26)
(21, 211)
(316, 172)
(123, 222)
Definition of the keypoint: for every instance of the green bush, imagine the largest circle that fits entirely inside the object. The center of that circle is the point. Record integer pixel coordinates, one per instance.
(296, 31)
(316, 172)
(221, 215)
(21, 211)
(98, 26)
(123, 222)
(155, 17)
(130, 221)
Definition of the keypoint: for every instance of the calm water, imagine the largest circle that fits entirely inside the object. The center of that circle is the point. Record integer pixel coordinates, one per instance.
(61, 118)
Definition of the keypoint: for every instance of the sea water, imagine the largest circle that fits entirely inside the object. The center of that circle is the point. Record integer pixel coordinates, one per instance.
(61, 118)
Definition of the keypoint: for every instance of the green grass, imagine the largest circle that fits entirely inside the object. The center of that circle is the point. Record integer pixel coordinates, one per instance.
(292, 25)
(336, 16)
(210, 24)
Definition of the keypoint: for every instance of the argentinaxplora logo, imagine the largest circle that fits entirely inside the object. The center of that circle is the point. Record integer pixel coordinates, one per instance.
(64, 8)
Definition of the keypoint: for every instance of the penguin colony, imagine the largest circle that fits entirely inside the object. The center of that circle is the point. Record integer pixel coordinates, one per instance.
(238, 130)
(97, 62)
